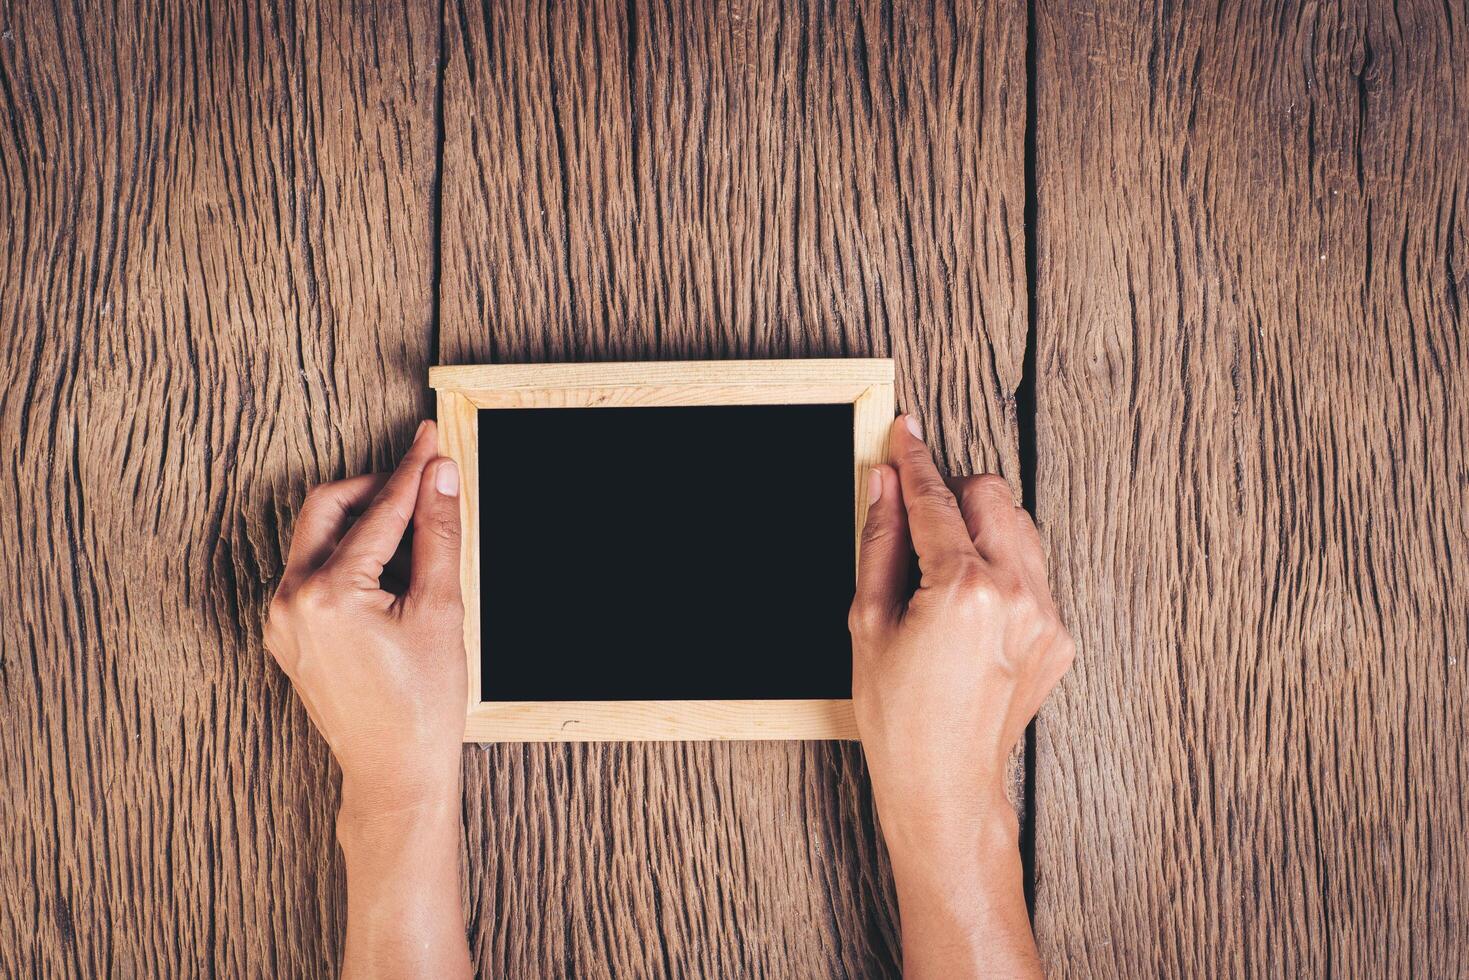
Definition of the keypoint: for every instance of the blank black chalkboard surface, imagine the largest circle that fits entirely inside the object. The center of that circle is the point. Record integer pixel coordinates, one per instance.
(662, 550)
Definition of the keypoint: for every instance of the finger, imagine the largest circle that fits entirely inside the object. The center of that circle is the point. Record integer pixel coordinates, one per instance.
(1031, 552)
(435, 573)
(370, 543)
(987, 505)
(1002, 533)
(325, 516)
(883, 560)
(934, 522)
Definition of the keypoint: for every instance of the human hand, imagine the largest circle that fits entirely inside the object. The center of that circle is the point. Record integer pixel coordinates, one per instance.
(377, 656)
(368, 624)
(944, 681)
(946, 678)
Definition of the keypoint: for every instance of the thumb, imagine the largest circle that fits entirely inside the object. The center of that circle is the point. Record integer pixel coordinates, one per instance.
(434, 574)
(886, 554)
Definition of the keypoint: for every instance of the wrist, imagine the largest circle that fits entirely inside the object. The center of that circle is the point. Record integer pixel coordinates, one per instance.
(961, 894)
(368, 815)
(951, 819)
(934, 844)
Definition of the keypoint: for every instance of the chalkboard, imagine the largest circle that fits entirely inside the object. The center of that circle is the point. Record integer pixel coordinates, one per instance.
(661, 550)
(697, 552)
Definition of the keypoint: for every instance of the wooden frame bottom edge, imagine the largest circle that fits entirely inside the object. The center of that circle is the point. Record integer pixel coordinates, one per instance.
(660, 721)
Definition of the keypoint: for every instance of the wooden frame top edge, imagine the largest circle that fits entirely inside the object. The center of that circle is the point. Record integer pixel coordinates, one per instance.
(864, 370)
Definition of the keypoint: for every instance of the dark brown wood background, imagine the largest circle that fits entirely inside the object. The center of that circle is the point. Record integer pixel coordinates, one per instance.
(1194, 280)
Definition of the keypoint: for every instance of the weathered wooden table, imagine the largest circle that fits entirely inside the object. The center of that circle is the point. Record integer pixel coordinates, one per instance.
(1195, 279)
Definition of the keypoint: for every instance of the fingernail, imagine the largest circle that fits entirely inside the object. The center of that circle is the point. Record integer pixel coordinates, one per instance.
(419, 431)
(446, 478)
(874, 485)
(913, 426)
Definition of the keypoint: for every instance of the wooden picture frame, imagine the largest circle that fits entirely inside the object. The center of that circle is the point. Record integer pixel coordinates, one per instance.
(867, 384)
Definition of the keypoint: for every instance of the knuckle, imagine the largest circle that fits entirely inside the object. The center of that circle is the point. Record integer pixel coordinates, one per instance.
(970, 585)
(916, 452)
(1034, 619)
(989, 493)
(984, 483)
(969, 576)
(1040, 633)
(876, 533)
(313, 597)
(279, 607)
(1062, 646)
(1026, 608)
(1049, 635)
(932, 497)
(864, 617)
(443, 524)
(1065, 648)
(994, 485)
(1055, 658)
(935, 491)
(277, 616)
(276, 630)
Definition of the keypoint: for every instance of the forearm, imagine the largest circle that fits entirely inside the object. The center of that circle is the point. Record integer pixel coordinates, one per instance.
(961, 897)
(403, 910)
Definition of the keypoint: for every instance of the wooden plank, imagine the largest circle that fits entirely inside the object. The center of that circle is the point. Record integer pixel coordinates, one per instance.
(217, 289)
(754, 180)
(1252, 434)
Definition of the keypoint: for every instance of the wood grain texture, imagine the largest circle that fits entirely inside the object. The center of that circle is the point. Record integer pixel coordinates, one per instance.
(651, 182)
(1251, 266)
(216, 289)
(1252, 271)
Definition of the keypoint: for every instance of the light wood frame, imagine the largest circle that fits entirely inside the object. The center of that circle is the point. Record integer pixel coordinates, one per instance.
(867, 384)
